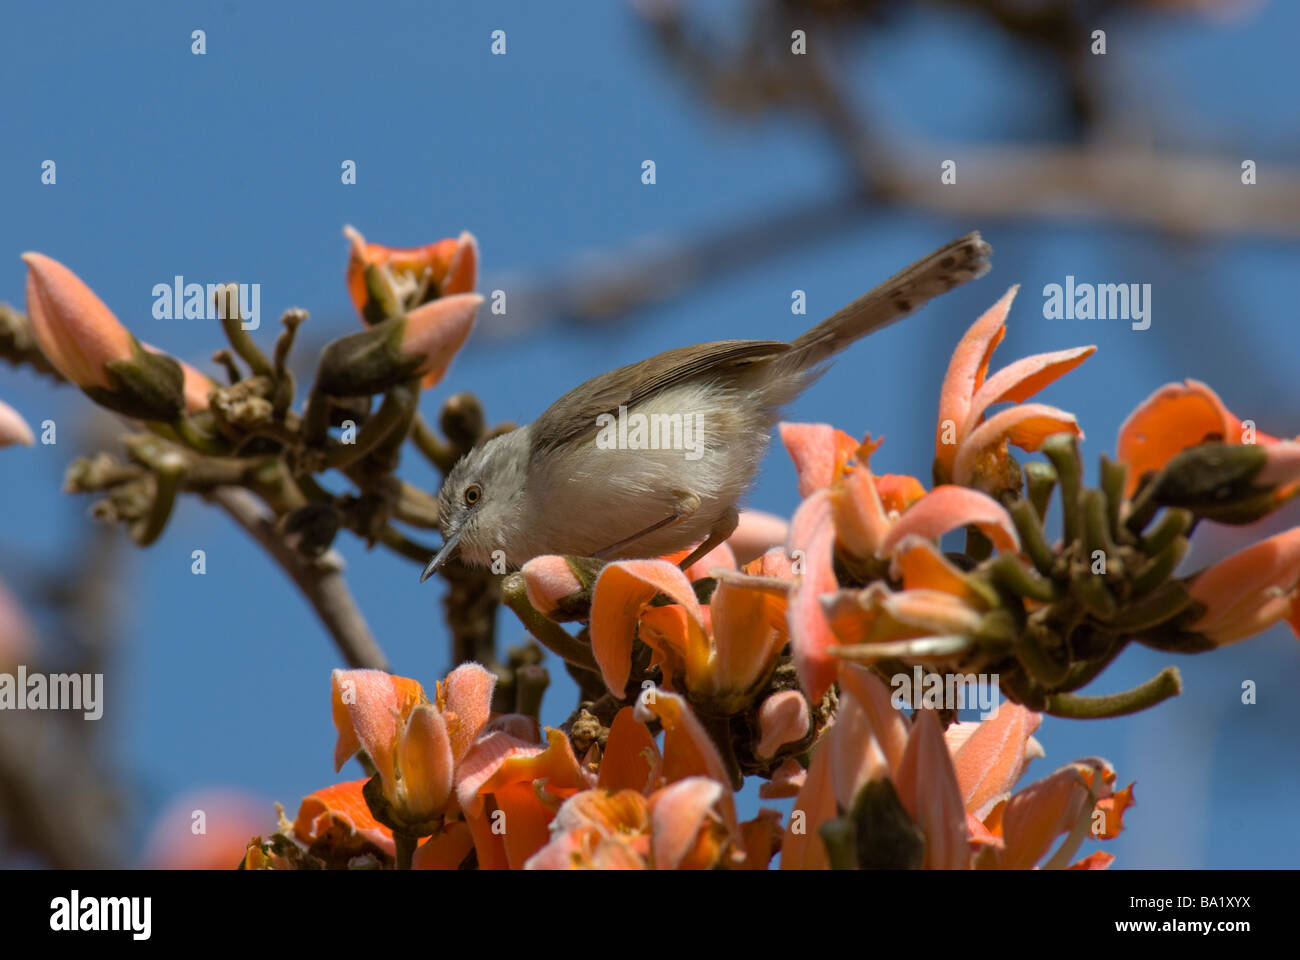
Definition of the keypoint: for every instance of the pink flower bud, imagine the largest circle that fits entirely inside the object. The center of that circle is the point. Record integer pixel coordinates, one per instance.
(13, 428)
(75, 330)
(783, 718)
(437, 330)
(548, 580)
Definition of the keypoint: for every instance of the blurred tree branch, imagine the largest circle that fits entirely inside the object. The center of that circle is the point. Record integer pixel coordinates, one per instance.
(1181, 195)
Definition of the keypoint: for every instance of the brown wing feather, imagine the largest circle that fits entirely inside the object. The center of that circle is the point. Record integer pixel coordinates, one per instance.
(575, 413)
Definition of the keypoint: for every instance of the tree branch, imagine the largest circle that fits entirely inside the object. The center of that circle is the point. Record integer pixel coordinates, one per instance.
(321, 580)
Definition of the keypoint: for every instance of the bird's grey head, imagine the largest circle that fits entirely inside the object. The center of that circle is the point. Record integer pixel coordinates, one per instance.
(480, 503)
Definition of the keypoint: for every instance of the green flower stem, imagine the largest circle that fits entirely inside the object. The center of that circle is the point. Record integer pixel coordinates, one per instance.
(1063, 450)
(384, 301)
(1090, 590)
(239, 339)
(1144, 507)
(227, 361)
(388, 454)
(1160, 568)
(292, 320)
(169, 470)
(192, 436)
(1028, 524)
(1167, 683)
(1012, 574)
(1096, 527)
(1114, 475)
(1163, 603)
(282, 394)
(1040, 481)
(392, 414)
(1175, 522)
(1045, 671)
(548, 633)
(316, 421)
(435, 451)
(1083, 673)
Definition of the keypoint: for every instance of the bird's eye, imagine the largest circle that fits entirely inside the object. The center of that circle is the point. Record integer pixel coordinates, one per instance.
(473, 493)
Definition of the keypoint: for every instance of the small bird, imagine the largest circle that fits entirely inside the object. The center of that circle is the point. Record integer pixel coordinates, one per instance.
(588, 478)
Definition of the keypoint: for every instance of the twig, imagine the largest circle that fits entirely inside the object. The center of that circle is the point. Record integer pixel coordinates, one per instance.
(321, 581)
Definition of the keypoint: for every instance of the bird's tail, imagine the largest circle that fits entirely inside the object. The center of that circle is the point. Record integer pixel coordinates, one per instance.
(966, 258)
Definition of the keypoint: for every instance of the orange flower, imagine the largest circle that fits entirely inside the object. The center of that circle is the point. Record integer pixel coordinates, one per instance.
(652, 811)
(972, 451)
(416, 275)
(955, 786)
(1250, 591)
(821, 522)
(1078, 800)
(1179, 416)
(415, 745)
(869, 742)
(330, 818)
(675, 828)
(990, 756)
(722, 654)
(509, 790)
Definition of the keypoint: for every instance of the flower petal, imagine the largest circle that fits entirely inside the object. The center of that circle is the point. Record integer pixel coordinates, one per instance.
(622, 591)
(927, 786)
(437, 330)
(1175, 417)
(13, 428)
(992, 758)
(369, 709)
(966, 371)
(466, 696)
(631, 760)
(1025, 426)
(547, 581)
(425, 764)
(757, 533)
(341, 806)
(783, 718)
(1019, 381)
(948, 508)
(75, 330)
(1249, 591)
(678, 814)
(888, 725)
(812, 534)
(817, 449)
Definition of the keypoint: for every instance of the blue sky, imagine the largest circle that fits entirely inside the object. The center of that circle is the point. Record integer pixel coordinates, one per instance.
(227, 166)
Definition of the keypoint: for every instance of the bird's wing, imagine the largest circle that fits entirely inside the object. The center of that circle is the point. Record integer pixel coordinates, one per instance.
(575, 413)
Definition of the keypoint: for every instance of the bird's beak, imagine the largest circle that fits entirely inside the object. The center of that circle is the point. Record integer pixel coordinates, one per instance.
(442, 556)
